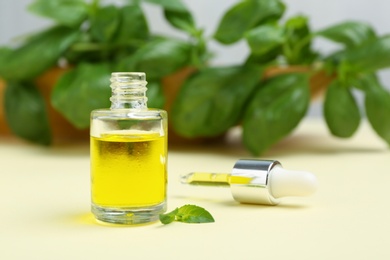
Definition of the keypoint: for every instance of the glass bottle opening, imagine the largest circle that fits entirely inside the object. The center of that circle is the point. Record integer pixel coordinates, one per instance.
(128, 90)
(128, 76)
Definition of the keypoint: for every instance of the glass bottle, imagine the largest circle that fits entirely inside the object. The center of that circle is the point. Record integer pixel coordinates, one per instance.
(128, 155)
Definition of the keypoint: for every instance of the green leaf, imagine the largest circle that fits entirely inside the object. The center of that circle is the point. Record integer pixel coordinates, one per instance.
(264, 59)
(264, 39)
(297, 48)
(341, 110)
(159, 58)
(377, 104)
(365, 82)
(82, 90)
(65, 12)
(182, 20)
(211, 101)
(169, 217)
(194, 214)
(178, 15)
(133, 25)
(297, 27)
(156, 98)
(275, 110)
(104, 23)
(172, 5)
(246, 15)
(188, 214)
(368, 57)
(26, 113)
(349, 33)
(5, 52)
(37, 55)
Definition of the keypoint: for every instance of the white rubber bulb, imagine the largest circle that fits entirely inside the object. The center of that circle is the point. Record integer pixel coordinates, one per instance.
(285, 183)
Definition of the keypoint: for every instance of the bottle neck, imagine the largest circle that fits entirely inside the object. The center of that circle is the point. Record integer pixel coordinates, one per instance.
(128, 90)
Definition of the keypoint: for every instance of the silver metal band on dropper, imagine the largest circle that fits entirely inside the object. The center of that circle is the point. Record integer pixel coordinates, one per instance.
(256, 190)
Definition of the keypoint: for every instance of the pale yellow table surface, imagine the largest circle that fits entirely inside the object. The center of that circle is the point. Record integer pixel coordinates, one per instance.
(44, 200)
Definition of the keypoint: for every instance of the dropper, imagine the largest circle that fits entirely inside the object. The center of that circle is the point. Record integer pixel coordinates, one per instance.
(258, 181)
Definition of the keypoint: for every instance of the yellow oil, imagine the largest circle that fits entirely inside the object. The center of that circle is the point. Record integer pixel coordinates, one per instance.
(208, 179)
(128, 169)
(216, 179)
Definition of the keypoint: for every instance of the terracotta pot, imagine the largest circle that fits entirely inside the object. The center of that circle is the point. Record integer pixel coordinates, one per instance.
(318, 81)
(63, 131)
(4, 129)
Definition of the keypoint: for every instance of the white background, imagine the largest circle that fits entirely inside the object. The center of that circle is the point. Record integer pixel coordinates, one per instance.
(15, 21)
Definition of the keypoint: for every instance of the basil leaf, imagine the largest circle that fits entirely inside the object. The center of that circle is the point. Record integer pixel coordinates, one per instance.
(264, 39)
(349, 33)
(275, 110)
(126, 63)
(297, 48)
(4, 52)
(37, 55)
(160, 57)
(187, 214)
(341, 110)
(193, 214)
(104, 23)
(173, 5)
(178, 15)
(368, 57)
(65, 12)
(81, 90)
(211, 101)
(182, 20)
(244, 16)
(133, 25)
(265, 58)
(377, 104)
(365, 82)
(169, 217)
(26, 113)
(156, 98)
